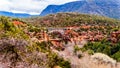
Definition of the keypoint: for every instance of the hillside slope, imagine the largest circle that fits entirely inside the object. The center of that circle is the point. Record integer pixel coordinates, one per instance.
(71, 19)
(29, 43)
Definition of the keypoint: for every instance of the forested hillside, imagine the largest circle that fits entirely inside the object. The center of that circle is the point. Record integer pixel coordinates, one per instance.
(71, 19)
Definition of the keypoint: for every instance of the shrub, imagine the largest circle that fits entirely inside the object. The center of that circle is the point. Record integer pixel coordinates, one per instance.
(116, 56)
(90, 52)
(12, 49)
(55, 60)
(76, 48)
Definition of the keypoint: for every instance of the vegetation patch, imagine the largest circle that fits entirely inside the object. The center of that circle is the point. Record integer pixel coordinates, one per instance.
(105, 47)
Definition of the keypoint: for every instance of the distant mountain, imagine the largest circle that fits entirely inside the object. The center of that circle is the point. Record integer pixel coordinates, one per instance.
(110, 8)
(14, 14)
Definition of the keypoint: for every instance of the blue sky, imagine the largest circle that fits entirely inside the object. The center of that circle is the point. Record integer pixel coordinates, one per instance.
(32, 7)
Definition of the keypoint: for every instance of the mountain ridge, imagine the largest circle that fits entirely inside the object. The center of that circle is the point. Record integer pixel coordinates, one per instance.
(104, 8)
(10, 14)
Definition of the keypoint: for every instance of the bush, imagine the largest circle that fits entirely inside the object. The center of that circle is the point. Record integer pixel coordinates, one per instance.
(76, 48)
(12, 49)
(55, 60)
(90, 52)
(116, 56)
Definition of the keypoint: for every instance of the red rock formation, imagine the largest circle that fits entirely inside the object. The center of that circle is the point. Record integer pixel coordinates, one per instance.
(17, 23)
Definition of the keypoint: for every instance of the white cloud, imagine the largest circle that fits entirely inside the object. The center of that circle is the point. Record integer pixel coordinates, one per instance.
(28, 6)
